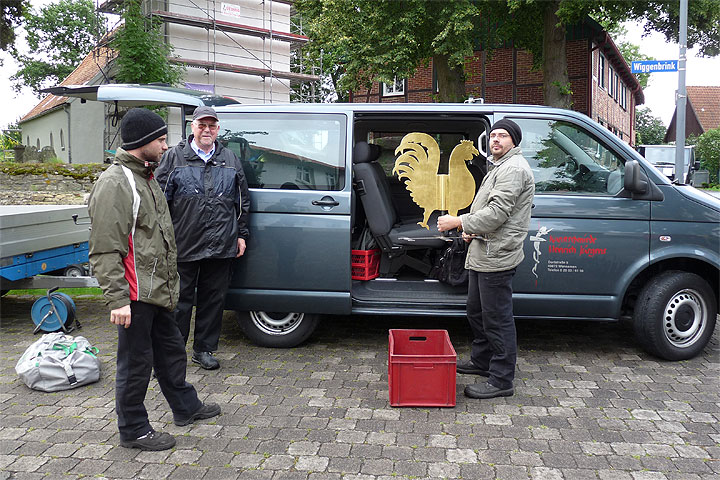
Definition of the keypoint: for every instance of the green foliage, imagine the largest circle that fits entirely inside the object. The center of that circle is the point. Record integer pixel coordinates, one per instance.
(10, 137)
(77, 171)
(707, 150)
(143, 54)
(377, 40)
(649, 130)
(11, 12)
(58, 38)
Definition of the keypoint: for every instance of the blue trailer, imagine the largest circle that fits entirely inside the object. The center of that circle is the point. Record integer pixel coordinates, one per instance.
(43, 246)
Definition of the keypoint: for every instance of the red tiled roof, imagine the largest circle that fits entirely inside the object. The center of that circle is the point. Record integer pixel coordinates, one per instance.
(86, 71)
(706, 103)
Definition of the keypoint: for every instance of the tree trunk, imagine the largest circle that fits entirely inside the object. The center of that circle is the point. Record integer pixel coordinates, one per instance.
(556, 83)
(451, 80)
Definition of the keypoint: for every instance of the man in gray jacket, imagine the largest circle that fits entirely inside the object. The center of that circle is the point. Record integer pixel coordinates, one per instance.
(133, 254)
(495, 228)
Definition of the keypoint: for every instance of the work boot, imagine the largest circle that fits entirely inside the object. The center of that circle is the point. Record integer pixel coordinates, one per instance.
(206, 360)
(154, 441)
(206, 410)
(468, 367)
(487, 390)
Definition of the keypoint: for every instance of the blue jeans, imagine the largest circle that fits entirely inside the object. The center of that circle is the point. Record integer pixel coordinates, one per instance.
(490, 313)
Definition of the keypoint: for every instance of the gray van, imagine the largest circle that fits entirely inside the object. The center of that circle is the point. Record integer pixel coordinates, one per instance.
(611, 237)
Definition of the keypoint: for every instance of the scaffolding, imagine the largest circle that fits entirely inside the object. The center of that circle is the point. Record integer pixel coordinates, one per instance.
(251, 39)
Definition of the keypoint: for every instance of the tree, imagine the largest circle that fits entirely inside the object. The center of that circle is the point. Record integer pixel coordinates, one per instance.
(708, 151)
(649, 130)
(143, 53)
(378, 40)
(59, 37)
(11, 12)
(629, 51)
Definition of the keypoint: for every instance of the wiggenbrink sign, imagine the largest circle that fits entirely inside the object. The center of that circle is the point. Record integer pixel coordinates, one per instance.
(652, 66)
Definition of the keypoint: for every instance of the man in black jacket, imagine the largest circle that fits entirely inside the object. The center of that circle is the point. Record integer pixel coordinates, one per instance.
(209, 203)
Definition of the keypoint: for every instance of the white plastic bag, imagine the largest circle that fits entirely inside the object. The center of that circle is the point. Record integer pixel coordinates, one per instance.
(59, 362)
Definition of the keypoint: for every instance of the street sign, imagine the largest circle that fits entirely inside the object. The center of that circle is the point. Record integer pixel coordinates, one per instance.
(654, 66)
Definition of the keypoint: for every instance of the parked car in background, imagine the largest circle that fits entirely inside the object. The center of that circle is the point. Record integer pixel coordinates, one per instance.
(663, 158)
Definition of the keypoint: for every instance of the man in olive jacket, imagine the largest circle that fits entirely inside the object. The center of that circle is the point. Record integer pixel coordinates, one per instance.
(495, 228)
(133, 255)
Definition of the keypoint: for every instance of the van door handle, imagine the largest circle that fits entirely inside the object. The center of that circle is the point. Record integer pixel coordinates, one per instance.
(326, 202)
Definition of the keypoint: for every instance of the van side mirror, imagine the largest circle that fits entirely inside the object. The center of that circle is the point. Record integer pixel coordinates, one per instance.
(696, 165)
(636, 180)
(639, 185)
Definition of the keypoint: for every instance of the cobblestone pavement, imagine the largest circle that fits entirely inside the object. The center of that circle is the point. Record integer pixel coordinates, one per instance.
(589, 404)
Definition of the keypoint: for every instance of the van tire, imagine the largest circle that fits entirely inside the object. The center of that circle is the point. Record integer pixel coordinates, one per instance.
(277, 329)
(675, 315)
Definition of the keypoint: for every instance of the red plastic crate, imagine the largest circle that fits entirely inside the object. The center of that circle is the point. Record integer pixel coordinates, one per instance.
(421, 368)
(365, 264)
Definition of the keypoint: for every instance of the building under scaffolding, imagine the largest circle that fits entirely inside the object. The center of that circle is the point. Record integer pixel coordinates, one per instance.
(238, 48)
(242, 49)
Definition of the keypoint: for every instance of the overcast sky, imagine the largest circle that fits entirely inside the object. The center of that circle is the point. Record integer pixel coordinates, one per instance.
(659, 95)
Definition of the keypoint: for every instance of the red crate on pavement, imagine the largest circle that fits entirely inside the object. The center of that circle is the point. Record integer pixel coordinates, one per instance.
(364, 264)
(421, 368)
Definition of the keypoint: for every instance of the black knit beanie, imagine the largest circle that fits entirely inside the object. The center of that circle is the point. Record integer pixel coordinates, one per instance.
(139, 127)
(511, 127)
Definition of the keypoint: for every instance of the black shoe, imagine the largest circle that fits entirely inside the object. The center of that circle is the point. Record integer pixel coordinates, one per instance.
(206, 360)
(486, 390)
(207, 410)
(154, 441)
(469, 367)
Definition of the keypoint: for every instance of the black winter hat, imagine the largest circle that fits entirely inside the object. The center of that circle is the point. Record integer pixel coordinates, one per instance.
(139, 127)
(511, 127)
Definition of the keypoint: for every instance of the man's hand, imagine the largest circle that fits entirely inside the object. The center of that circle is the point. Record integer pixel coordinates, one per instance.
(121, 316)
(448, 222)
(468, 237)
(240, 247)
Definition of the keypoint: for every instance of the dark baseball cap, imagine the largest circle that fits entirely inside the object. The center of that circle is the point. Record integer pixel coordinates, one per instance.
(204, 112)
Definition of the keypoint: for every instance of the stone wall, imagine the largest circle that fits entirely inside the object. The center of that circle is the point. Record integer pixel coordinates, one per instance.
(47, 184)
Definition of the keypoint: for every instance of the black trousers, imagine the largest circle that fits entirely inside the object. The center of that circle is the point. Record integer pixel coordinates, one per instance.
(152, 340)
(490, 313)
(211, 277)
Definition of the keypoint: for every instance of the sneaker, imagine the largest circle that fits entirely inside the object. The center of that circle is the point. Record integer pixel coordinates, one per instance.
(468, 367)
(206, 360)
(153, 441)
(487, 390)
(207, 410)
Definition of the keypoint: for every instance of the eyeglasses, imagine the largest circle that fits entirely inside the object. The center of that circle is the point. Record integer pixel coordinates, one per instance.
(203, 126)
(499, 135)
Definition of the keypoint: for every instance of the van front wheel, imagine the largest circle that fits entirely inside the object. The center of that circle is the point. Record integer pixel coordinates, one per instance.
(277, 329)
(675, 315)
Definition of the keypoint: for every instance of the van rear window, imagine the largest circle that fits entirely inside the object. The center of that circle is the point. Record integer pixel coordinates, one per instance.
(290, 151)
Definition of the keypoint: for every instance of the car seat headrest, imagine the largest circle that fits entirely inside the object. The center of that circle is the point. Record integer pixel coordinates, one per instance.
(364, 152)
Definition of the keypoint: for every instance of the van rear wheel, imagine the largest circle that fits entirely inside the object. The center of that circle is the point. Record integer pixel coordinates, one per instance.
(675, 315)
(277, 329)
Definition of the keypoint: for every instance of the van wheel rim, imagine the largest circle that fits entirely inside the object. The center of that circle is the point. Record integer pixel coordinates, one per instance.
(684, 319)
(274, 323)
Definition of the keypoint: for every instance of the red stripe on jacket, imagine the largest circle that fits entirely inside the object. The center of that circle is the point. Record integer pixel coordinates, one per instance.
(130, 273)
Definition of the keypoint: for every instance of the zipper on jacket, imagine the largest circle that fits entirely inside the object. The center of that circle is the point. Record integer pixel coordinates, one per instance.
(152, 276)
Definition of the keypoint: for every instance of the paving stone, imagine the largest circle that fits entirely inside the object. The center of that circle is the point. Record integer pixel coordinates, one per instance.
(320, 411)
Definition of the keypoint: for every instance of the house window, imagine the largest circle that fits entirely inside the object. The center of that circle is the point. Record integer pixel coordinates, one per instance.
(28, 140)
(601, 70)
(62, 140)
(38, 143)
(615, 88)
(610, 81)
(395, 88)
(52, 141)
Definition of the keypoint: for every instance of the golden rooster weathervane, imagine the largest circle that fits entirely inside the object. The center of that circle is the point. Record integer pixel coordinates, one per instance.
(418, 164)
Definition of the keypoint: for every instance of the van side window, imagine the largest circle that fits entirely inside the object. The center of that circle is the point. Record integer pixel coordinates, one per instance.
(566, 158)
(291, 151)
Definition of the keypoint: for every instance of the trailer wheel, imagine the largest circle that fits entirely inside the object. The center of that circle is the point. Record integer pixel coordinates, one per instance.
(74, 271)
(277, 329)
(675, 315)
